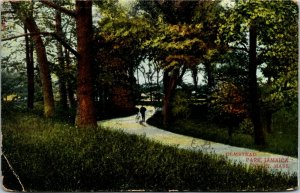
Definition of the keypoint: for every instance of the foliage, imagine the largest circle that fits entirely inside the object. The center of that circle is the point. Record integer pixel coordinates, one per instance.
(180, 105)
(229, 97)
(228, 106)
(277, 51)
(185, 31)
(58, 157)
(13, 84)
(246, 127)
(119, 49)
(125, 36)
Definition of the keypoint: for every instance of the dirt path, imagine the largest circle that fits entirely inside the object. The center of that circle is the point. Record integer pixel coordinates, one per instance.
(273, 162)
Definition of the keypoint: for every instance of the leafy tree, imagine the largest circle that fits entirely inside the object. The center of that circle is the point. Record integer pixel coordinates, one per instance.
(250, 26)
(182, 40)
(120, 52)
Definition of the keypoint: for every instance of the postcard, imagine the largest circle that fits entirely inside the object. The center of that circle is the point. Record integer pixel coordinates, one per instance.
(149, 95)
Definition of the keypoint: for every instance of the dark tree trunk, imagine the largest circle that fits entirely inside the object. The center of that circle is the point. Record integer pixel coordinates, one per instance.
(61, 74)
(210, 78)
(30, 71)
(63, 92)
(269, 112)
(170, 82)
(157, 85)
(255, 111)
(132, 82)
(269, 121)
(180, 76)
(85, 116)
(195, 77)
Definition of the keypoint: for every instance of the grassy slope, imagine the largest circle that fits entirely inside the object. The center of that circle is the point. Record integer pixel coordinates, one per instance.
(54, 156)
(283, 140)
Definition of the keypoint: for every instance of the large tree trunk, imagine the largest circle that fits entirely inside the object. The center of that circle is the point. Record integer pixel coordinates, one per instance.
(255, 111)
(43, 65)
(41, 58)
(44, 68)
(170, 82)
(61, 74)
(85, 116)
(30, 71)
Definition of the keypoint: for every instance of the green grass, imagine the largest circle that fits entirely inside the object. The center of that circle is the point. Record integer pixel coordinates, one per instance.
(50, 155)
(283, 140)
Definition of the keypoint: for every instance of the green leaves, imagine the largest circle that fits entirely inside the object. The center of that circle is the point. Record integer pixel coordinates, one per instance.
(277, 42)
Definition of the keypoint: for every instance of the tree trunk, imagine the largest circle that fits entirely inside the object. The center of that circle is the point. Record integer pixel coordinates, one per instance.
(41, 58)
(255, 111)
(30, 71)
(269, 121)
(132, 82)
(70, 90)
(61, 74)
(269, 112)
(170, 82)
(195, 77)
(43, 66)
(157, 84)
(85, 116)
(210, 78)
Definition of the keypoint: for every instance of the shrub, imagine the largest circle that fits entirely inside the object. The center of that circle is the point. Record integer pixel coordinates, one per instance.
(246, 127)
(180, 105)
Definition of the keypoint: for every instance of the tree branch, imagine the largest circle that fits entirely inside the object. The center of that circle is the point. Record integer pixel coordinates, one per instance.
(15, 37)
(59, 8)
(65, 44)
(239, 48)
(7, 12)
(59, 39)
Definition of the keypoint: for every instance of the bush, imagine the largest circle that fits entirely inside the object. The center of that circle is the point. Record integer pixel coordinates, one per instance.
(180, 105)
(52, 156)
(246, 127)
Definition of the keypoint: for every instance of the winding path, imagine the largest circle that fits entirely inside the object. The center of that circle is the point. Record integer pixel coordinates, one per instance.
(273, 162)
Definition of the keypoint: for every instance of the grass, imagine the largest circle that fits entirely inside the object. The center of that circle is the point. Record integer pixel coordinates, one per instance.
(51, 155)
(283, 140)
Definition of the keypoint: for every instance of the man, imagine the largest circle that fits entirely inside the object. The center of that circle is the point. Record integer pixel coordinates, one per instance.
(143, 111)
